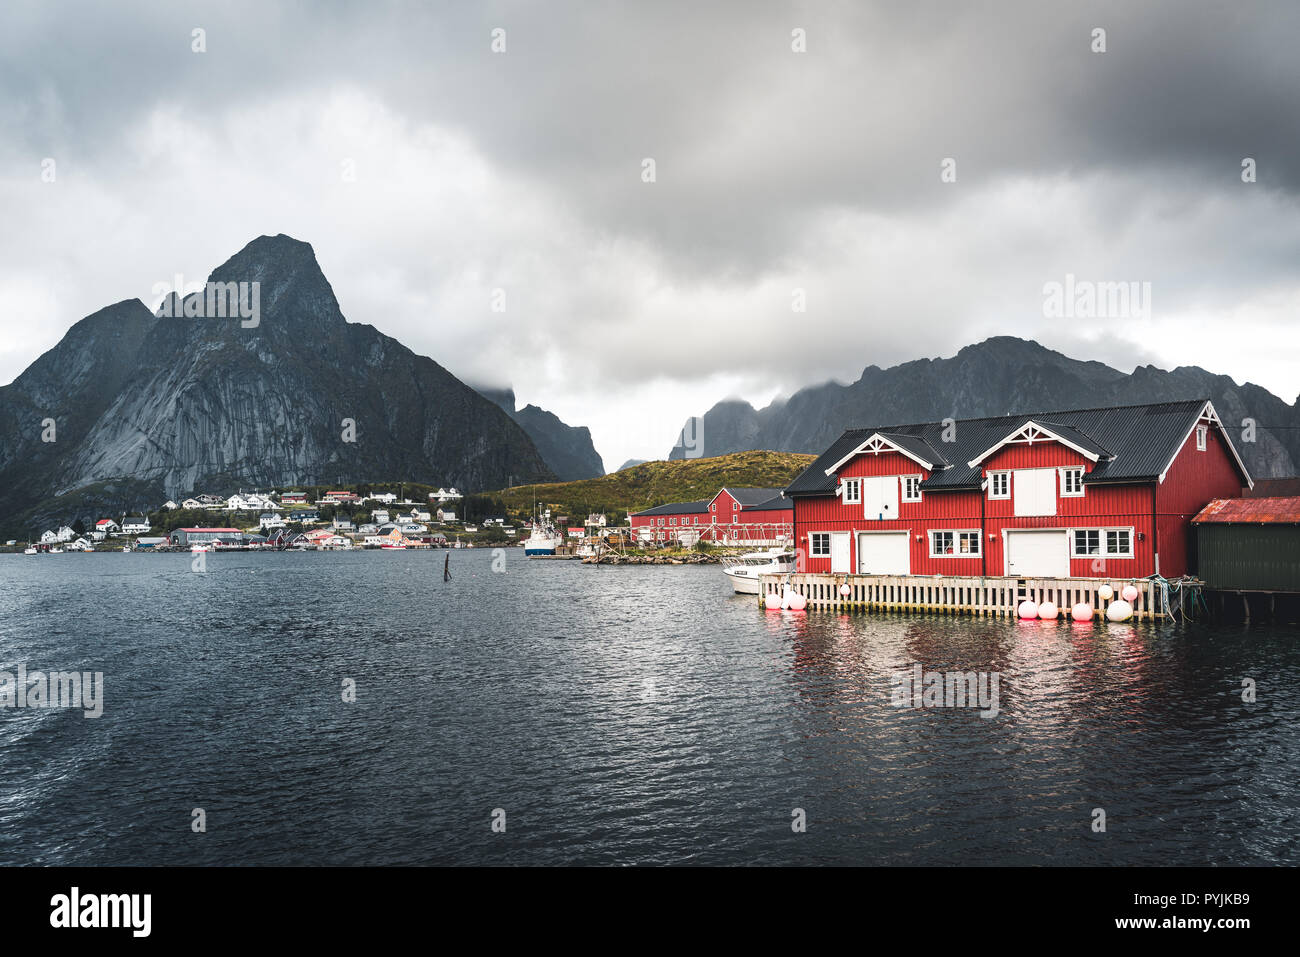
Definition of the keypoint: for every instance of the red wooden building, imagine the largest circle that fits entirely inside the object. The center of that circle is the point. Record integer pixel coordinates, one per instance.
(740, 516)
(1091, 493)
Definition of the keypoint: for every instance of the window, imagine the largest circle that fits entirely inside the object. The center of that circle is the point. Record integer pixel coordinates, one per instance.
(820, 543)
(672, 521)
(852, 491)
(911, 488)
(1103, 542)
(1071, 482)
(954, 544)
(1119, 541)
(1202, 433)
(713, 507)
(999, 485)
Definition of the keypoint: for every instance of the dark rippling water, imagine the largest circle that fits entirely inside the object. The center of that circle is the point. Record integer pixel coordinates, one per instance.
(618, 716)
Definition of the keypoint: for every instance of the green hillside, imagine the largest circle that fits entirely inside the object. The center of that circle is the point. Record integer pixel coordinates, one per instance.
(656, 483)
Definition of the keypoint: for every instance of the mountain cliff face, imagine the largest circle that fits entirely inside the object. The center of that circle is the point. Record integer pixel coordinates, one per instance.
(995, 377)
(566, 449)
(170, 405)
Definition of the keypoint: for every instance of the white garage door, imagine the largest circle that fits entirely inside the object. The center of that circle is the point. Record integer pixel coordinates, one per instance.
(1038, 554)
(883, 553)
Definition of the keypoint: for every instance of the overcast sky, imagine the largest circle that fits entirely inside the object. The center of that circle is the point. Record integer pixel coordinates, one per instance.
(630, 304)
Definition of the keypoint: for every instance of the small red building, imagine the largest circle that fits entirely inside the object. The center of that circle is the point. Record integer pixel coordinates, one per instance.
(741, 516)
(1087, 493)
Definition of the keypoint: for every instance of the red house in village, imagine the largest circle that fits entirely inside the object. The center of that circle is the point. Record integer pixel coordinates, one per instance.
(1088, 493)
(735, 515)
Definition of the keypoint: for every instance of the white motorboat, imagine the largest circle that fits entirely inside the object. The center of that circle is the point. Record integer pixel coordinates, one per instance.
(744, 570)
(29, 550)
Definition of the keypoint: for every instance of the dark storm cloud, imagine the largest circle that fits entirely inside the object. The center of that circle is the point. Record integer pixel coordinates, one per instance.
(775, 170)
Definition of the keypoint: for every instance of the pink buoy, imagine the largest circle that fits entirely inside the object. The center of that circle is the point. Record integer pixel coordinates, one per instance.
(1081, 612)
(1130, 593)
(1048, 609)
(1028, 609)
(798, 602)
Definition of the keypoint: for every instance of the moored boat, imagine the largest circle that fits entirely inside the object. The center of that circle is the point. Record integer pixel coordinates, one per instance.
(744, 570)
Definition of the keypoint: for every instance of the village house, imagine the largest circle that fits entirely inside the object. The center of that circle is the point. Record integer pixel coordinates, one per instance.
(387, 498)
(270, 520)
(419, 514)
(1106, 492)
(191, 503)
(339, 498)
(293, 498)
(136, 525)
(749, 516)
(444, 495)
(379, 516)
(303, 516)
(104, 528)
(446, 515)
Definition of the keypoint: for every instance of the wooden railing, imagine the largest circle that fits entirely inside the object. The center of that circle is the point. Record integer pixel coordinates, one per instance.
(951, 595)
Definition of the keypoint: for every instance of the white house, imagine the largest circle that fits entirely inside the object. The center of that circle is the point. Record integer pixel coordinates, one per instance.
(191, 503)
(445, 494)
(446, 515)
(343, 525)
(270, 520)
(169, 505)
(237, 503)
(388, 498)
(81, 544)
(420, 514)
(379, 516)
(104, 528)
(136, 525)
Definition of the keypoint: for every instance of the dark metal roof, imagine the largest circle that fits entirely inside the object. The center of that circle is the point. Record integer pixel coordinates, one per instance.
(917, 446)
(773, 504)
(749, 497)
(677, 508)
(1135, 442)
(1279, 510)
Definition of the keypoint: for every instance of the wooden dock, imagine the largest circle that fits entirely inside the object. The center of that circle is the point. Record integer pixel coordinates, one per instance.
(989, 597)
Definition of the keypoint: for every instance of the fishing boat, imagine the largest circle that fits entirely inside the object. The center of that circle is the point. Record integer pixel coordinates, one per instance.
(744, 570)
(543, 540)
(201, 547)
(30, 550)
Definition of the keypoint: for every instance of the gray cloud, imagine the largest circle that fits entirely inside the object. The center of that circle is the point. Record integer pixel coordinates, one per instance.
(776, 171)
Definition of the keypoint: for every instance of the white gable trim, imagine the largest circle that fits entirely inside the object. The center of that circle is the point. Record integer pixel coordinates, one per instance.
(1208, 416)
(874, 445)
(1028, 434)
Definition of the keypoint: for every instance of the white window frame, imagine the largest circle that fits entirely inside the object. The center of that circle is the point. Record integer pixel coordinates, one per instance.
(855, 486)
(1003, 496)
(1102, 545)
(1071, 470)
(1202, 437)
(975, 534)
(812, 544)
(904, 497)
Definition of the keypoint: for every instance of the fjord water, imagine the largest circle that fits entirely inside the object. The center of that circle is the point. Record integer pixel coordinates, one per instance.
(636, 715)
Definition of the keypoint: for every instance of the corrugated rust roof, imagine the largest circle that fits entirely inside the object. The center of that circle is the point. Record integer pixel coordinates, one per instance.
(1278, 510)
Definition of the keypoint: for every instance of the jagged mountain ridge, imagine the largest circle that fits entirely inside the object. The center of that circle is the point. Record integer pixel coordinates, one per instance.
(567, 449)
(178, 404)
(999, 376)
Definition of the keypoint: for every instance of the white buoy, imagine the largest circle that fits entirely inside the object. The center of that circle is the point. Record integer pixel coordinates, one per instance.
(1105, 593)
(1048, 609)
(798, 602)
(1119, 611)
(1130, 593)
(1028, 609)
(845, 590)
(1081, 612)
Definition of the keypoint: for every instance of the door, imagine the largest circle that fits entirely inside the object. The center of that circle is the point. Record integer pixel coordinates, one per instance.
(1034, 491)
(840, 552)
(883, 553)
(1038, 554)
(880, 497)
